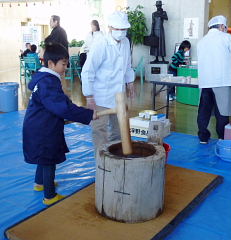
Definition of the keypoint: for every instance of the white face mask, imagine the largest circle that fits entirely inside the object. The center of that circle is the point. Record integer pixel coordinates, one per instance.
(119, 34)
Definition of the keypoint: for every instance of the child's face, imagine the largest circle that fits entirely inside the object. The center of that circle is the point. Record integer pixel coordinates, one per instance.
(60, 67)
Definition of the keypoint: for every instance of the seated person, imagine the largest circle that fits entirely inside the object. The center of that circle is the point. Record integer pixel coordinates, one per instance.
(34, 55)
(28, 50)
(178, 59)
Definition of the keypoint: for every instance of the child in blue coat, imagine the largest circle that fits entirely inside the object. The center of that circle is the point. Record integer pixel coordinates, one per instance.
(43, 128)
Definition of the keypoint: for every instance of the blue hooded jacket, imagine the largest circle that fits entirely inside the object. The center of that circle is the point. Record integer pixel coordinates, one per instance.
(43, 126)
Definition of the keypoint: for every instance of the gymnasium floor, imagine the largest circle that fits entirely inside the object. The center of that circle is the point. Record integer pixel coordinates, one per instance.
(211, 220)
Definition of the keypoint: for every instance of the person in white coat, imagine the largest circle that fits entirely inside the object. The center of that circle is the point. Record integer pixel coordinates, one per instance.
(106, 72)
(214, 75)
(92, 36)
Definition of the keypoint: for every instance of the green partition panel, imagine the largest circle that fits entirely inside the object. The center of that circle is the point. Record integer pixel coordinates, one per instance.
(187, 95)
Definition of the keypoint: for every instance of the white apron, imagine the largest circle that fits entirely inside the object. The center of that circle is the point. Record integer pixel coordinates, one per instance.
(223, 99)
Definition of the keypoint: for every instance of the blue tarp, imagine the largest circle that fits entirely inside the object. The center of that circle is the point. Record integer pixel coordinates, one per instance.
(211, 220)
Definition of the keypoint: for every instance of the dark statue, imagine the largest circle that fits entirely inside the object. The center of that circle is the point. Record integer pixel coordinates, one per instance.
(158, 18)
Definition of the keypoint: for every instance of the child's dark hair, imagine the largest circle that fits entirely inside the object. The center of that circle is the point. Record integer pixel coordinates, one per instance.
(33, 48)
(54, 52)
(185, 44)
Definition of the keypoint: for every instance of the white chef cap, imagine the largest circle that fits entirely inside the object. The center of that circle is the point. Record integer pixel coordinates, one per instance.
(119, 20)
(217, 20)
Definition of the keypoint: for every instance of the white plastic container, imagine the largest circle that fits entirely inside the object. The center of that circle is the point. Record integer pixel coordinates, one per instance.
(227, 135)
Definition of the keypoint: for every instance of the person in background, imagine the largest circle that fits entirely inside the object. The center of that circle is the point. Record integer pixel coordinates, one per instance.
(28, 50)
(43, 137)
(214, 75)
(91, 37)
(34, 55)
(58, 34)
(106, 72)
(178, 59)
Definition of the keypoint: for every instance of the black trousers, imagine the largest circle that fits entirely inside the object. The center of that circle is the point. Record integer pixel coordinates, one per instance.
(207, 104)
(45, 175)
(83, 57)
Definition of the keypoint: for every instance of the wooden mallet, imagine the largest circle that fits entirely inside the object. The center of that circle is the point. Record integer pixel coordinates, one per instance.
(122, 115)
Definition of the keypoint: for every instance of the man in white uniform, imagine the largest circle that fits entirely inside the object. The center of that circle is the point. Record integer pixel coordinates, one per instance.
(214, 74)
(106, 72)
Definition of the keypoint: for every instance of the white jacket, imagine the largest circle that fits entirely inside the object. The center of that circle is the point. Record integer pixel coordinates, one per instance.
(90, 38)
(106, 70)
(214, 59)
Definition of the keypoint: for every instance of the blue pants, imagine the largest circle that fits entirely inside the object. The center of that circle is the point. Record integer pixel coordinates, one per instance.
(207, 104)
(45, 175)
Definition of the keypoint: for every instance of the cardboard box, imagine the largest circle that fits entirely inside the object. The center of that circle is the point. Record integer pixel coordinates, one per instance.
(158, 117)
(139, 127)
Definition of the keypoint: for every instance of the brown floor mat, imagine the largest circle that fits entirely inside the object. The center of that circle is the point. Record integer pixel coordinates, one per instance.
(75, 218)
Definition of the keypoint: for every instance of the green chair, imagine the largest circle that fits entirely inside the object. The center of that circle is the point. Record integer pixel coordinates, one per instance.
(75, 63)
(31, 65)
(74, 69)
(69, 74)
(139, 70)
(22, 69)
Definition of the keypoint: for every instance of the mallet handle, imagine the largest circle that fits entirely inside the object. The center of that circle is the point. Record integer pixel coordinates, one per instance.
(106, 112)
(122, 115)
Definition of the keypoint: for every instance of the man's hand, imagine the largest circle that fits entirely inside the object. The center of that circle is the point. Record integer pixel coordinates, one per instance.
(131, 90)
(91, 102)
